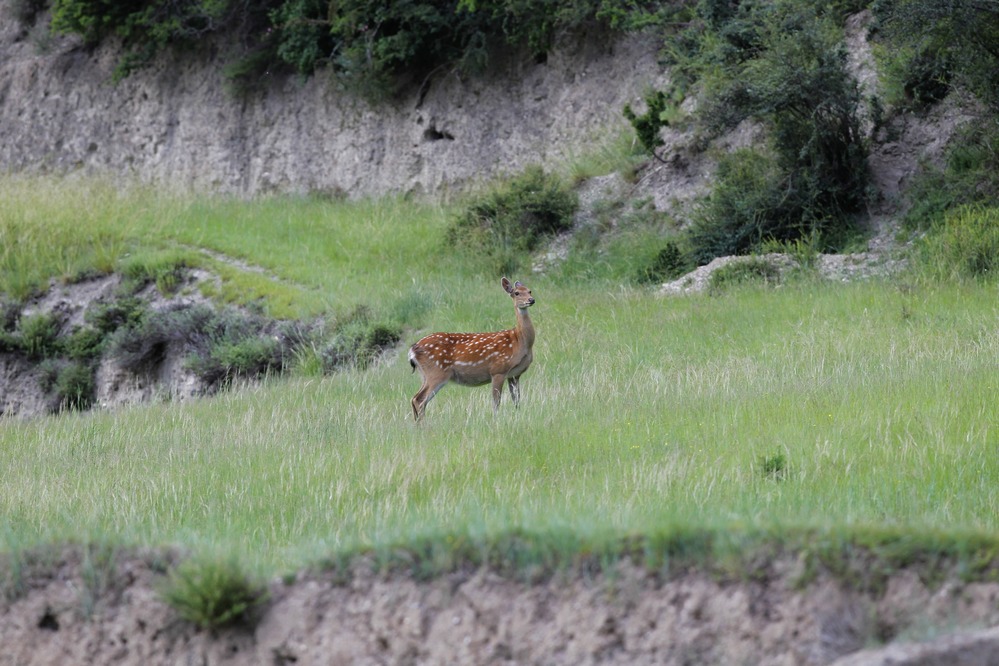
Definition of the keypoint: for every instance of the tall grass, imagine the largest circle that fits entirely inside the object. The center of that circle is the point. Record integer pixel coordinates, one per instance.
(809, 406)
(640, 414)
(298, 256)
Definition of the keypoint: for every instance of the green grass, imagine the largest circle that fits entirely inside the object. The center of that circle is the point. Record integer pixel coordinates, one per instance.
(642, 417)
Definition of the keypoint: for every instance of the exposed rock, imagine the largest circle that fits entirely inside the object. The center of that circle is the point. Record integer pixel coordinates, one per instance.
(838, 267)
(21, 386)
(625, 616)
(175, 124)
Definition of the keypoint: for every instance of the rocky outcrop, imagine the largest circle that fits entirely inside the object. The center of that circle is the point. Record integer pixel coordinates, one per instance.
(176, 124)
(624, 616)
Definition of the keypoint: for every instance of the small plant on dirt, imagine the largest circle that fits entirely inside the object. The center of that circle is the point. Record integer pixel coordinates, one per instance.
(213, 593)
(74, 386)
(84, 344)
(661, 109)
(109, 317)
(38, 335)
(165, 270)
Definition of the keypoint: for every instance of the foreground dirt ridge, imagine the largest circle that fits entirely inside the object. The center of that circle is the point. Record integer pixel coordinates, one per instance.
(60, 615)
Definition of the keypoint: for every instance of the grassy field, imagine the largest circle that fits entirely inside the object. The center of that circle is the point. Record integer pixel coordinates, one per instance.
(809, 406)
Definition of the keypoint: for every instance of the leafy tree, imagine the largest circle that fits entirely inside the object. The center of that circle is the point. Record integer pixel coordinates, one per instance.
(788, 72)
(955, 39)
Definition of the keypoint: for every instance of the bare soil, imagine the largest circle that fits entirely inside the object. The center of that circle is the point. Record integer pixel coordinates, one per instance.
(62, 612)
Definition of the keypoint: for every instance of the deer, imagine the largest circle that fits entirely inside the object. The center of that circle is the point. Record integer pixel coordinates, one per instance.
(475, 359)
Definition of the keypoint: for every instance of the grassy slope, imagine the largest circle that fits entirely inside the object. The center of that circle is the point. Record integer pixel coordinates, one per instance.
(640, 415)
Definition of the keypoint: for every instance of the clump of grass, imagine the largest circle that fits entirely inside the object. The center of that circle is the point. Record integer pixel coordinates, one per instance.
(38, 335)
(75, 386)
(774, 467)
(165, 269)
(966, 245)
(213, 593)
(753, 270)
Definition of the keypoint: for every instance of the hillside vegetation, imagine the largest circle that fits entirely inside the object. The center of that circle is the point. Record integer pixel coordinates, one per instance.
(771, 412)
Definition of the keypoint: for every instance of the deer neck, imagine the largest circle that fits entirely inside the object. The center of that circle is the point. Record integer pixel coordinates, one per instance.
(525, 329)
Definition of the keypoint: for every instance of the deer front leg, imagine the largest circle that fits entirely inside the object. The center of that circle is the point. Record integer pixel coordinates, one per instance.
(514, 383)
(497, 391)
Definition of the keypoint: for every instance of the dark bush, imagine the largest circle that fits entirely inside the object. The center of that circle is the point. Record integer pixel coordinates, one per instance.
(658, 106)
(669, 263)
(142, 344)
(955, 41)
(512, 220)
(743, 209)
(789, 74)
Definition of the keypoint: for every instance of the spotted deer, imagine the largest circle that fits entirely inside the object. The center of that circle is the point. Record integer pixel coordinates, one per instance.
(474, 359)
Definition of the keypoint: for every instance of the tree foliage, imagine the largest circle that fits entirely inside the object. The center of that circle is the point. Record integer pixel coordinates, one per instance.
(376, 42)
(783, 65)
(945, 41)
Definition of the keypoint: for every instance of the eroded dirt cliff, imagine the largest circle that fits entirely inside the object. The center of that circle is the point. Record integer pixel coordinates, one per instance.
(176, 124)
(63, 613)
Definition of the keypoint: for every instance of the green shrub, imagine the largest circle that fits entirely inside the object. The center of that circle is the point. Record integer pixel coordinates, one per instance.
(38, 335)
(144, 26)
(783, 65)
(166, 270)
(74, 386)
(109, 317)
(231, 356)
(660, 111)
(84, 344)
(669, 263)
(213, 593)
(743, 210)
(944, 42)
(511, 221)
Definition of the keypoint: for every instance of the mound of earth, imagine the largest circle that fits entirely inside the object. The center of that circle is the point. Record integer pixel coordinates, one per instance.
(63, 613)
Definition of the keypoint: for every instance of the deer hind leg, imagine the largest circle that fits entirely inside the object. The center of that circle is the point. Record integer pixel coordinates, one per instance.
(514, 384)
(426, 394)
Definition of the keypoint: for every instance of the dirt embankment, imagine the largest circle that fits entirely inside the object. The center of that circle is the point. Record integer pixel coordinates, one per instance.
(66, 613)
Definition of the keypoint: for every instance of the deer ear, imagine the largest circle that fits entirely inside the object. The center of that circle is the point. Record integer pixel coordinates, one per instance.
(506, 285)
(518, 283)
